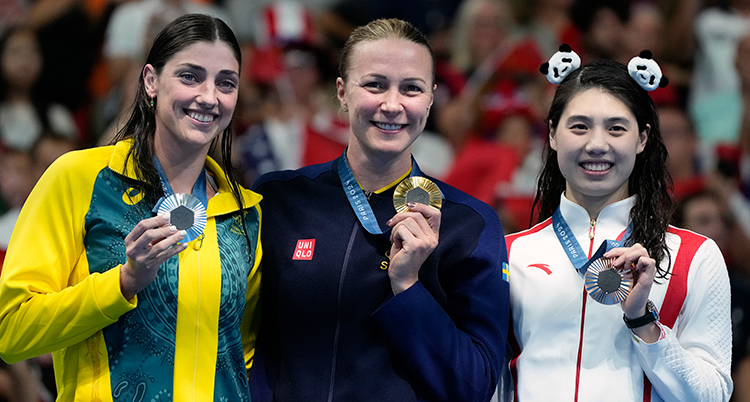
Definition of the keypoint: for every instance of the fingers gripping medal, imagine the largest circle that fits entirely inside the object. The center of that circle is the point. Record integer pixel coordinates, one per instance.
(607, 284)
(186, 212)
(417, 189)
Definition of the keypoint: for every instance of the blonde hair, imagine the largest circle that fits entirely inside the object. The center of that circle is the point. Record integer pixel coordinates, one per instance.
(382, 29)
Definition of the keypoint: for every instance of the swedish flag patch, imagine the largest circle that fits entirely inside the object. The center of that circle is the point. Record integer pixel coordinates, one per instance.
(505, 271)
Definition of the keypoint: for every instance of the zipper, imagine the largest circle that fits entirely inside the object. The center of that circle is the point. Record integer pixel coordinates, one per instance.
(579, 358)
(339, 302)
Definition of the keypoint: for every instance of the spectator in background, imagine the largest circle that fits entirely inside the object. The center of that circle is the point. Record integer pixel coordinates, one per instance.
(25, 110)
(684, 163)
(501, 158)
(717, 87)
(300, 125)
(602, 26)
(550, 24)
(494, 56)
(69, 38)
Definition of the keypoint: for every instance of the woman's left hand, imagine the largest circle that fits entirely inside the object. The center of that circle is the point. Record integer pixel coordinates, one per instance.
(644, 271)
(414, 235)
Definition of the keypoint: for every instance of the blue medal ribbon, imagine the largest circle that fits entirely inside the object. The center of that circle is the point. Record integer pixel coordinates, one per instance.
(199, 188)
(357, 198)
(574, 250)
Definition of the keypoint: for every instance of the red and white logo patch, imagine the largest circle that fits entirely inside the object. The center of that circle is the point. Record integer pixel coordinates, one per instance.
(304, 250)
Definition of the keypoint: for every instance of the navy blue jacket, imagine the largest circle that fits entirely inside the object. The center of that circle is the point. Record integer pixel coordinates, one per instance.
(331, 328)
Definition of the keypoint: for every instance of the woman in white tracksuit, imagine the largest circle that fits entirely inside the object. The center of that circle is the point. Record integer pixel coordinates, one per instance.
(604, 184)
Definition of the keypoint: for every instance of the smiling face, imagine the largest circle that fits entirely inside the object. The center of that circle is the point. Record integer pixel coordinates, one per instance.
(195, 95)
(388, 93)
(596, 140)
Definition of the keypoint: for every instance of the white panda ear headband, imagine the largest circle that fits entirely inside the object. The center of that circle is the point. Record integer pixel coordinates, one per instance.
(642, 68)
(646, 72)
(562, 63)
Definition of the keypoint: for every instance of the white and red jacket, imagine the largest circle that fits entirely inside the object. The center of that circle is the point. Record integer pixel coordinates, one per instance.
(571, 348)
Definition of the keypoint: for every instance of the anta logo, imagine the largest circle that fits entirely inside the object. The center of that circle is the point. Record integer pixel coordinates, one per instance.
(304, 250)
(543, 267)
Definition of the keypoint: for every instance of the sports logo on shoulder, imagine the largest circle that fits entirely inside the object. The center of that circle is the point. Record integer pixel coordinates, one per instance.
(304, 250)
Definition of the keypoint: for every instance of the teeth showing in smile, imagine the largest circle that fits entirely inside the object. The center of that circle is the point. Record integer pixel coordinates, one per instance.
(596, 167)
(204, 118)
(384, 126)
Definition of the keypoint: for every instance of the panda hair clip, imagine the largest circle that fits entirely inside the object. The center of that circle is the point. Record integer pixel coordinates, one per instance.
(562, 63)
(642, 68)
(646, 72)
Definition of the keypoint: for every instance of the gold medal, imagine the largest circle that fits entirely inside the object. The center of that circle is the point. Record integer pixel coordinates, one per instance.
(417, 189)
(606, 284)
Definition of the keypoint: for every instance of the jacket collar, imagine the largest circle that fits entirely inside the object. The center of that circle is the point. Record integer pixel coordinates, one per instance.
(221, 203)
(610, 223)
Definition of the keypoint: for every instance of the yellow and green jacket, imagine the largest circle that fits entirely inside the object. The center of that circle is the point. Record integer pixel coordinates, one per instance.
(189, 336)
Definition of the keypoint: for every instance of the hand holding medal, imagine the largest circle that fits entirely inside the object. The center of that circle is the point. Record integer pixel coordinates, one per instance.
(607, 284)
(643, 270)
(151, 242)
(186, 212)
(413, 238)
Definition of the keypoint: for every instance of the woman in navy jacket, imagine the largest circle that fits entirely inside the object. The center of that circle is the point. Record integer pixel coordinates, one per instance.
(363, 303)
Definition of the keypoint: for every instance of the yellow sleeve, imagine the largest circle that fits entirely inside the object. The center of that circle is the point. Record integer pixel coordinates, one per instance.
(251, 319)
(48, 299)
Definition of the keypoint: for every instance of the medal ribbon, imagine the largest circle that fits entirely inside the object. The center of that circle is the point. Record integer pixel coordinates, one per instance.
(199, 188)
(574, 250)
(357, 198)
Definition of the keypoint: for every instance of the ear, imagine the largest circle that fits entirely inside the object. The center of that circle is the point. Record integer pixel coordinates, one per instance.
(432, 96)
(150, 80)
(341, 92)
(643, 138)
(552, 136)
(544, 68)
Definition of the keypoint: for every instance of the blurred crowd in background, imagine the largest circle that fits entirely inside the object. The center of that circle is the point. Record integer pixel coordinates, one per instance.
(68, 70)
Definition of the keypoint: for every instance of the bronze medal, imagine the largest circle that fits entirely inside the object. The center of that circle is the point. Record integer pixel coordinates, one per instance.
(606, 284)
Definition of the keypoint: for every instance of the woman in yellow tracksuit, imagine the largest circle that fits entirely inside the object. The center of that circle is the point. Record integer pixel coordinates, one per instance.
(133, 304)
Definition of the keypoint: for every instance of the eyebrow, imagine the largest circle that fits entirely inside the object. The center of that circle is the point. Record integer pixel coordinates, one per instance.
(381, 76)
(201, 69)
(609, 120)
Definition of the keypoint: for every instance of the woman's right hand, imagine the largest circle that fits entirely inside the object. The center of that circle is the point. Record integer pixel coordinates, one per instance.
(148, 246)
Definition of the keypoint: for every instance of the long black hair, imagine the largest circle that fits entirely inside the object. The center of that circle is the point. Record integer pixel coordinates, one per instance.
(141, 126)
(649, 181)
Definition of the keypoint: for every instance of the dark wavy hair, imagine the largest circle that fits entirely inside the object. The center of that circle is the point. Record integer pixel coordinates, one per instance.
(649, 181)
(141, 126)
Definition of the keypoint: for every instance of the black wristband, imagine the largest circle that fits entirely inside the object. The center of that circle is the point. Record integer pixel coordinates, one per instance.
(651, 316)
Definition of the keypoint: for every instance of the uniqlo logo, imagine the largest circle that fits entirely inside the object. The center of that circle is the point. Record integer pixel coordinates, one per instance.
(304, 249)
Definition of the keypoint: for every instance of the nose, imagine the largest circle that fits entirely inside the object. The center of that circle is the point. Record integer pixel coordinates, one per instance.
(207, 96)
(392, 102)
(597, 142)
